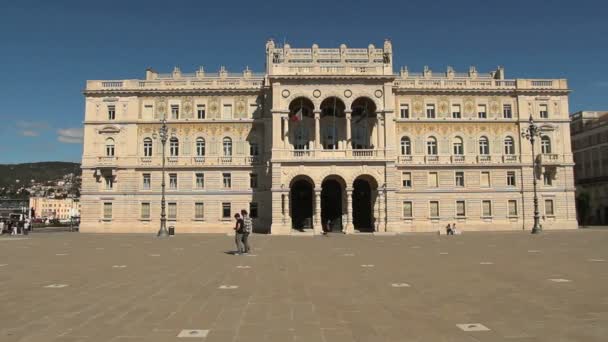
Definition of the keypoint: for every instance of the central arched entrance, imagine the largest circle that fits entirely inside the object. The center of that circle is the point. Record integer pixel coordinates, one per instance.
(331, 205)
(301, 196)
(364, 190)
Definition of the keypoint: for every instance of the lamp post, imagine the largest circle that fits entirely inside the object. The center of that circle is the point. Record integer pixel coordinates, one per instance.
(163, 133)
(531, 133)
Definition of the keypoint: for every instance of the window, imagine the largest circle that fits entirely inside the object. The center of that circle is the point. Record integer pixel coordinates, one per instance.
(227, 112)
(146, 181)
(458, 146)
(145, 211)
(200, 180)
(200, 147)
(406, 179)
(485, 179)
(111, 112)
(549, 207)
(253, 209)
(431, 146)
(509, 145)
(482, 112)
(148, 147)
(461, 209)
(433, 180)
(510, 178)
(434, 209)
(507, 112)
(253, 107)
(173, 181)
(226, 210)
(548, 178)
(301, 142)
(459, 178)
(200, 111)
(430, 111)
(545, 144)
(254, 149)
(227, 180)
(174, 147)
(406, 146)
(107, 210)
(109, 180)
(456, 113)
(110, 147)
(227, 143)
(148, 111)
(199, 210)
(486, 208)
(407, 209)
(484, 146)
(175, 112)
(404, 111)
(172, 211)
(512, 207)
(544, 113)
(253, 180)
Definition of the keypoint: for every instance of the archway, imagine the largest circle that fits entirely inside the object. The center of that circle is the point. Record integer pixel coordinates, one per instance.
(331, 205)
(363, 204)
(301, 196)
(301, 123)
(333, 129)
(363, 123)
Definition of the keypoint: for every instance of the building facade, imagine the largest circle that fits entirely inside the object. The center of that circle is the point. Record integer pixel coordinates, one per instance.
(55, 208)
(326, 138)
(590, 147)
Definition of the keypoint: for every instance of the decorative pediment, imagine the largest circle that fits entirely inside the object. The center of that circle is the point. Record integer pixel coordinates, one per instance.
(109, 130)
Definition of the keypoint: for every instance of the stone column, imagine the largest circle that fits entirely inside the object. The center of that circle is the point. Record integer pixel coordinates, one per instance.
(318, 229)
(288, 210)
(382, 132)
(317, 129)
(381, 226)
(348, 129)
(349, 228)
(284, 123)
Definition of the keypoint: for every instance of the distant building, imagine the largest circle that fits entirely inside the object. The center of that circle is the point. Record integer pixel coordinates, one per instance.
(589, 131)
(55, 208)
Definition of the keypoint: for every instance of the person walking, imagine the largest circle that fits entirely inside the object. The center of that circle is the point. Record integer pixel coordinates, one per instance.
(238, 236)
(247, 229)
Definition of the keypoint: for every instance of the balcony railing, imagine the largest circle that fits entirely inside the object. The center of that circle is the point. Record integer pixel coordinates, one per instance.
(510, 158)
(549, 158)
(107, 160)
(456, 159)
(404, 159)
(431, 159)
(459, 159)
(484, 158)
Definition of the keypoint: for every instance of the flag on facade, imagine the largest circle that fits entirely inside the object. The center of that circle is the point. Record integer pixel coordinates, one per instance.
(297, 116)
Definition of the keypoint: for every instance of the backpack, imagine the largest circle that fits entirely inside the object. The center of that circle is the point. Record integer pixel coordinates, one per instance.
(248, 224)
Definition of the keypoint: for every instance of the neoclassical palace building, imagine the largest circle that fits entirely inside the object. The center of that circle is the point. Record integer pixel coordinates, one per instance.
(326, 137)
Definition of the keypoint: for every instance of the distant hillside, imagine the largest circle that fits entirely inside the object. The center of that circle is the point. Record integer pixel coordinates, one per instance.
(39, 172)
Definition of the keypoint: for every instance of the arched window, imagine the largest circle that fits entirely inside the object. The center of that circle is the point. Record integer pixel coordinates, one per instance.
(509, 145)
(484, 146)
(174, 147)
(227, 143)
(301, 138)
(545, 144)
(110, 147)
(406, 146)
(200, 147)
(458, 146)
(431, 146)
(148, 147)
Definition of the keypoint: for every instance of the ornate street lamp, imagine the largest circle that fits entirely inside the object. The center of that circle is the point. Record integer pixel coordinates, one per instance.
(164, 134)
(531, 133)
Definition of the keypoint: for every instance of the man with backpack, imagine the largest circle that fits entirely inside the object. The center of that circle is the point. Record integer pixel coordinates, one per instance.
(247, 229)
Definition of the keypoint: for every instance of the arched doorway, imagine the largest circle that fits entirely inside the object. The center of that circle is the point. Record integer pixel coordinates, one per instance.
(363, 204)
(331, 205)
(301, 196)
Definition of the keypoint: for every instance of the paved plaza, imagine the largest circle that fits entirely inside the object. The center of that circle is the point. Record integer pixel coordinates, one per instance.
(509, 286)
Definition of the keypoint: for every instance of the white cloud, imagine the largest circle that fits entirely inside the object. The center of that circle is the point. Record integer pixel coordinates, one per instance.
(29, 133)
(31, 128)
(70, 135)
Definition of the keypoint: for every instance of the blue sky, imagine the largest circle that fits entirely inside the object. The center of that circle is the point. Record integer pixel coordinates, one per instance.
(49, 48)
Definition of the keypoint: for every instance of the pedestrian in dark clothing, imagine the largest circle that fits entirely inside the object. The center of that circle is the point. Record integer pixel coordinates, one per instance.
(247, 229)
(239, 230)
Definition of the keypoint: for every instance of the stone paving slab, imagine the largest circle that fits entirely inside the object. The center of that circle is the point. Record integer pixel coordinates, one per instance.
(306, 289)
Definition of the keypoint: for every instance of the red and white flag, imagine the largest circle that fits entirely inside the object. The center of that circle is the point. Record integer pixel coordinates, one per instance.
(297, 116)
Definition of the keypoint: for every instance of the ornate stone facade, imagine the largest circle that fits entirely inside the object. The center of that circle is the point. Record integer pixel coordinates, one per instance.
(326, 138)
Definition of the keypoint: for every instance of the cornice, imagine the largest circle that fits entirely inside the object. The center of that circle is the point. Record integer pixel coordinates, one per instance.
(177, 92)
(333, 77)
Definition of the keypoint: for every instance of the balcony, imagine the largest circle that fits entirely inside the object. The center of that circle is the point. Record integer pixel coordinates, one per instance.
(458, 159)
(550, 159)
(107, 161)
(510, 158)
(405, 159)
(431, 159)
(366, 154)
(484, 159)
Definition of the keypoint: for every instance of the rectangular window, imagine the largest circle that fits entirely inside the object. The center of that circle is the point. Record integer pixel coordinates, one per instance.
(111, 112)
(461, 209)
(173, 181)
(172, 211)
(200, 111)
(486, 208)
(109, 182)
(433, 180)
(404, 112)
(482, 112)
(226, 210)
(145, 211)
(253, 107)
(174, 111)
(485, 179)
(107, 210)
(406, 179)
(199, 211)
(227, 111)
(507, 112)
(510, 178)
(147, 182)
(512, 207)
(200, 180)
(548, 179)
(227, 180)
(407, 209)
(549, 207)
(253, 180)
(459, 178)
(148, 111)
(456, 113)
(544, 112)
(434, 208)
(430, 111)
(253, 209)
